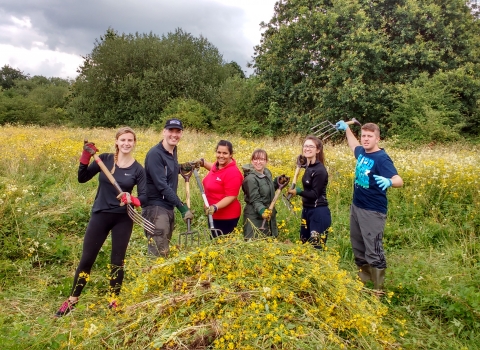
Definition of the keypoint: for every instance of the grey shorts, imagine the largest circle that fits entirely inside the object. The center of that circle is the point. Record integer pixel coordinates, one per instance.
(366, 234)
(163, 219)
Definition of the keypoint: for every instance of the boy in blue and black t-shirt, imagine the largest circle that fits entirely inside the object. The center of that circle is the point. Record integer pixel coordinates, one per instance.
(374, 173)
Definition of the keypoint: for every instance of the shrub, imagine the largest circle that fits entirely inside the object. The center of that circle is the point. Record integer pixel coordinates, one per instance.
(193, 114)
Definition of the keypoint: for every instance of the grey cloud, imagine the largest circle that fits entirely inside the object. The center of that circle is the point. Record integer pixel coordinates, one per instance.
(73, 26)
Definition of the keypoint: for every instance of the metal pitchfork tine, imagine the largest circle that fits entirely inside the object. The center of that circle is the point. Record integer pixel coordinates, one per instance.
(194, 236)
(214, 232)
(326, 129)
(132, 213)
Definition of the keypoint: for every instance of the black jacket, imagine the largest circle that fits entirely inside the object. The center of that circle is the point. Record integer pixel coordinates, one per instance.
(162, 169)
(315, 181)
(106, 198)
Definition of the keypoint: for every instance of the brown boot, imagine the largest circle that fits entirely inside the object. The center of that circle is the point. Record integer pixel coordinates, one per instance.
(364, 273)
(378, 277)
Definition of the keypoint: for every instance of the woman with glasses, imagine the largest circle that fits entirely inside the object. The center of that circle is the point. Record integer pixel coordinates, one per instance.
(316, 217)
(259, 190)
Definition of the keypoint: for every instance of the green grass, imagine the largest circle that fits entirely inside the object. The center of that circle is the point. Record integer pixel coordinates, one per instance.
(432, 246)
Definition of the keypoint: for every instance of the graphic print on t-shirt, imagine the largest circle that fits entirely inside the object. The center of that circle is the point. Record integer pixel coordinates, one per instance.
(364, 165)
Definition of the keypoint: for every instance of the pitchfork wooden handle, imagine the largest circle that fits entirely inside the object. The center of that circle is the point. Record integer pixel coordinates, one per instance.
(294, 181)
(105, 170)
(275, 198)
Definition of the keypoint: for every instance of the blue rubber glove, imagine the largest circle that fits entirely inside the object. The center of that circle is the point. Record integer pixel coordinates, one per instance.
(341, 125)
(382, 182)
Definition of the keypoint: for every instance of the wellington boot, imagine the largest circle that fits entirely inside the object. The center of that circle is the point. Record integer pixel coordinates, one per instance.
(364, 273)
(378, 277)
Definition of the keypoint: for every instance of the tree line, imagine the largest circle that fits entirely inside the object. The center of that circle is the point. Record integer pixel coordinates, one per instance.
(410, 66)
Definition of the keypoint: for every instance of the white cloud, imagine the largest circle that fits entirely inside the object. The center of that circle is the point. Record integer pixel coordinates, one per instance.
(48, 37)
(36, 61)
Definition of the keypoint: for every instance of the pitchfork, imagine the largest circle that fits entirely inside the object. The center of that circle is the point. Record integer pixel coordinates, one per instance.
(215, 232)
(301, 163)
(277, 194)
(132, 213)
(326, 129)
(186, 174)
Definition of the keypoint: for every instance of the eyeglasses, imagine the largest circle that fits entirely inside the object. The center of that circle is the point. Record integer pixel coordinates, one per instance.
(309, 146)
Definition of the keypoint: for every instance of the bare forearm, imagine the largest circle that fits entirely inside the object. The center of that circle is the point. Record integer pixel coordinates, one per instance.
(207, 165)
(226, 201)
(397, 181)
(351, 139)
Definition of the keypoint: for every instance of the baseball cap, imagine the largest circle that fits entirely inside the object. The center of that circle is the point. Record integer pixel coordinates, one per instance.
(173, 124)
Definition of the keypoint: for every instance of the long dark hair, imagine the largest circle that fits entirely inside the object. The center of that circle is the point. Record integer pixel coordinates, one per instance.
(225, 143)
(320, 156)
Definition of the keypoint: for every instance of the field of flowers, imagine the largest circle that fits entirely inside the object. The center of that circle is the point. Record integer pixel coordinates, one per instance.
(268, 294)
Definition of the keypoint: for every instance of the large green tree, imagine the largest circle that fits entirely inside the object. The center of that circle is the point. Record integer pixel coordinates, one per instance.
(331, 59)
(9, 75)
(130, 78)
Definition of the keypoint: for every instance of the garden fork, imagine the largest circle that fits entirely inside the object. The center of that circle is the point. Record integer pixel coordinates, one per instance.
(326, 129)
(193, 235)
(132, 213)
(213, 231)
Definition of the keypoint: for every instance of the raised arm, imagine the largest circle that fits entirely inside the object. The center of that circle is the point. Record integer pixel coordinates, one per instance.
(351, 139)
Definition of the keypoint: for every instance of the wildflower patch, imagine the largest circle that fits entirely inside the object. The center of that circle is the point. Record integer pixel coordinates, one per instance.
(245, 295)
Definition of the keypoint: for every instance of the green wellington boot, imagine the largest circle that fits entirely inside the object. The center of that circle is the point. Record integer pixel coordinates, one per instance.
(364, 273)
(378, 277)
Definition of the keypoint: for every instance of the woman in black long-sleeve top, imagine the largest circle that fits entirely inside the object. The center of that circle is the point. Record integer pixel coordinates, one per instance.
(316, 217)
(109, 213)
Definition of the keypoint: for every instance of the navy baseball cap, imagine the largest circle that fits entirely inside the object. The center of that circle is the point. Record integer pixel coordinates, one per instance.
(173, 124)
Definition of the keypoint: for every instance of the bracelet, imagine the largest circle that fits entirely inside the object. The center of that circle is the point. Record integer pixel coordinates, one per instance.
(214, 208)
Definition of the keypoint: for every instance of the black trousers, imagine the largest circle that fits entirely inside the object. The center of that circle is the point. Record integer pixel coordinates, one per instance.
(99, 226)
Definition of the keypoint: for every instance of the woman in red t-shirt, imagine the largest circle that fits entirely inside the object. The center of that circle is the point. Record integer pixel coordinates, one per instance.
(222, 185)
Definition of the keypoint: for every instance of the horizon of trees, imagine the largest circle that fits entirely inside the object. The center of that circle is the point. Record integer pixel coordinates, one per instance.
(412, 67)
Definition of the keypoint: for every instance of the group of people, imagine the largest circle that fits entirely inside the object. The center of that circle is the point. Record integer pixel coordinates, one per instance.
(157, 184)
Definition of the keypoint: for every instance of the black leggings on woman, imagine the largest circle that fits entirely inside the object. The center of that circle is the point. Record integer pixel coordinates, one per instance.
(99, 226)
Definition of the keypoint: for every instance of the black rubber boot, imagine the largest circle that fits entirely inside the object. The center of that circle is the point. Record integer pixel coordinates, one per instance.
(364, 273)
(378, 277)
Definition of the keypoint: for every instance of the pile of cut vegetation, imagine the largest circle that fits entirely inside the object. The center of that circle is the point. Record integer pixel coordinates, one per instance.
(260, 294)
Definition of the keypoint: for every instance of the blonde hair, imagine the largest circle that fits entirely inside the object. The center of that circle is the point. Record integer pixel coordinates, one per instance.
(120, 132)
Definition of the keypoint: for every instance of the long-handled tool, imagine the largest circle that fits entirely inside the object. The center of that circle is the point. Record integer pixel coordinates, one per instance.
(277, 194)
(214, 231)
(326, 129)
(301, 163)
(132, 213)
(193, 235)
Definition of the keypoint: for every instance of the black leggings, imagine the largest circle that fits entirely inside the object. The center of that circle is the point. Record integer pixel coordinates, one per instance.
(99, 226)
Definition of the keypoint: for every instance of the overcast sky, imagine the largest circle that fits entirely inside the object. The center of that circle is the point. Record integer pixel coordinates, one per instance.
(48, 37)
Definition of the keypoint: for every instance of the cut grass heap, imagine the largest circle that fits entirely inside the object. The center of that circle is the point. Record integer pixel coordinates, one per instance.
(245, 295)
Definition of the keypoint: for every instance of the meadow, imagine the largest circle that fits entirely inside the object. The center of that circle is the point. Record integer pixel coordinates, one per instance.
(233, 294)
